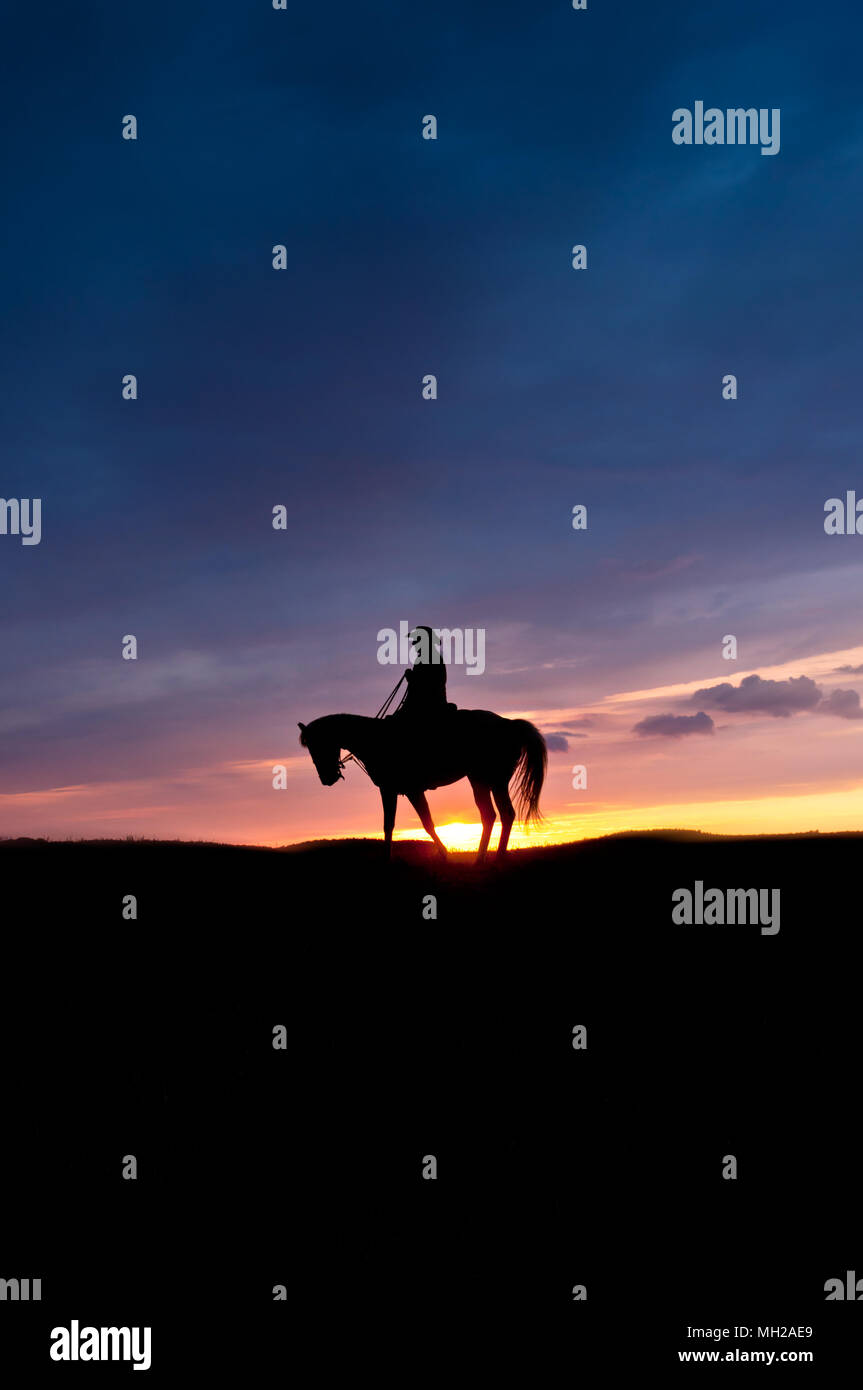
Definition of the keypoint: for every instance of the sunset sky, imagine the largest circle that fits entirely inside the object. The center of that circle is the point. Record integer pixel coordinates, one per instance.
(302, 388)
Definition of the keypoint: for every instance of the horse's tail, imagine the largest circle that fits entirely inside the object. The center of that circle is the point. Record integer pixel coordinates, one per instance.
(529, 771)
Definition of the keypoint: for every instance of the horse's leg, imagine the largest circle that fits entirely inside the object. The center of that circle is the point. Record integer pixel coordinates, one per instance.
(390, 800)
(421, 806)
(482, 797)
(507, 814)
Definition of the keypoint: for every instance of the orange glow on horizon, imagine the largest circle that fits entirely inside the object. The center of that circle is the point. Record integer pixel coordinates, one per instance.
(754, 775)
(779, 815)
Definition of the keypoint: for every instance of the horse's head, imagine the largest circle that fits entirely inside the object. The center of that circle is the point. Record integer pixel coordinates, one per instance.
(325, 751)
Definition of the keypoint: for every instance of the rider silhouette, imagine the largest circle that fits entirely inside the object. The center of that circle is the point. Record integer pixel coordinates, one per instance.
(426, 678)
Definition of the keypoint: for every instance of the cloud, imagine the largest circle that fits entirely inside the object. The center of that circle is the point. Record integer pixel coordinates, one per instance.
(848, 671)
(780, 699)
(674, 725)
(845, 704)
(558, 740)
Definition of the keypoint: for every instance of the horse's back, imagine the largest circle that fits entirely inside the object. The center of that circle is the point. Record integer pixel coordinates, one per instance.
(476, 717)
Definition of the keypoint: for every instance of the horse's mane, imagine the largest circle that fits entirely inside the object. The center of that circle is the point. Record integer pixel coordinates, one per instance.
(324, 720)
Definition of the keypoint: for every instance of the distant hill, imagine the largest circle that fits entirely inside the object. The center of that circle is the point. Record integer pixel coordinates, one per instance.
(619, 884)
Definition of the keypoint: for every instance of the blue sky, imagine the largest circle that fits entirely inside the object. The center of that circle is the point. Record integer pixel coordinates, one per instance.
(302, 387)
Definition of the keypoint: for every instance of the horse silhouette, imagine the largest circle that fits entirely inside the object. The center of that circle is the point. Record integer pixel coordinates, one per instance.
(409, 758)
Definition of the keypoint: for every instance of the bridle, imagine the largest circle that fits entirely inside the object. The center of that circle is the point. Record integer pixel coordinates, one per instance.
(352, 758)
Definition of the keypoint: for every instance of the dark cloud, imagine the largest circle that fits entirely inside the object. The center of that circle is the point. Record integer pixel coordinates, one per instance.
(845, 704)
(674, 725)
(556, 743)
(780, 699)
(848, 671)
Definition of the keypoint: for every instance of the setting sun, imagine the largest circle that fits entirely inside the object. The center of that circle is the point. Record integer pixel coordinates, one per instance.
(456, 835)
(464, 835)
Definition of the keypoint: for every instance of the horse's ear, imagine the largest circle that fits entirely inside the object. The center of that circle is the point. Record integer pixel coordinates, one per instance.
(302, 726)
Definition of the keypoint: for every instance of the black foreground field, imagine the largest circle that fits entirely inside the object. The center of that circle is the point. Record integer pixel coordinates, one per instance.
(410, 1036)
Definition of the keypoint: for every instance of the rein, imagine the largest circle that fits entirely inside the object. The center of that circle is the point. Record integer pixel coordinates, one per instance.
(352, 757)
(388, 701)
